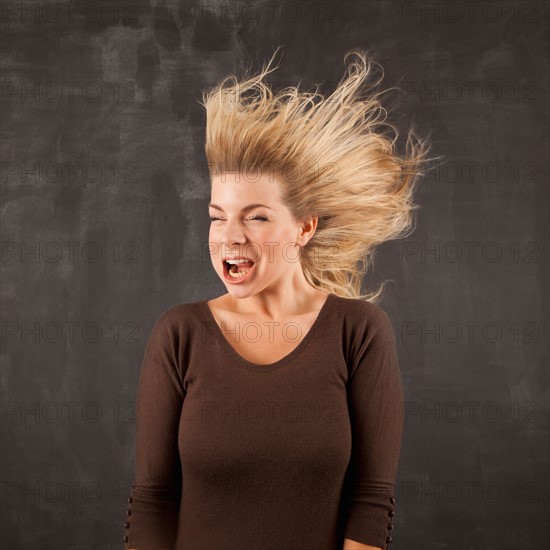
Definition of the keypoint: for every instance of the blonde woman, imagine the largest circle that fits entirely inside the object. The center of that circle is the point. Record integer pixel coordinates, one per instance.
(271, 417)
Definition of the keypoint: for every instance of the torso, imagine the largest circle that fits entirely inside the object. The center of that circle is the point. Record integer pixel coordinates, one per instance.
(263, 344)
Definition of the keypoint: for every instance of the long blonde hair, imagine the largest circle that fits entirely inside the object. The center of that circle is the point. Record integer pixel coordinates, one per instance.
(354, 181)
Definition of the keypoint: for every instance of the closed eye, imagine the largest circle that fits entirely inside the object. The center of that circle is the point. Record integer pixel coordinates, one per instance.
(261, 218)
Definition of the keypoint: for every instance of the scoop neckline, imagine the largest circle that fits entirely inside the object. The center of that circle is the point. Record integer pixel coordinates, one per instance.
(284, 360)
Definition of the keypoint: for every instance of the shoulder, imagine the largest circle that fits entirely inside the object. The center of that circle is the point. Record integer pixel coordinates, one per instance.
(172, 333)
(176, 318)
(362, 311)
(366, 321)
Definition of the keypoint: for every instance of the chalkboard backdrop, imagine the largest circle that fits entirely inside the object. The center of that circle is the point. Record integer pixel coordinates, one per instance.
(104, 225)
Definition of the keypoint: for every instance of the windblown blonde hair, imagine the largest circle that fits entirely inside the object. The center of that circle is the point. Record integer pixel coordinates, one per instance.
(349, 173)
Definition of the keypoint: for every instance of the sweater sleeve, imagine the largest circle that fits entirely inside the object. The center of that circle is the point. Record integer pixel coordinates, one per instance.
(153, 505)
(375, 398)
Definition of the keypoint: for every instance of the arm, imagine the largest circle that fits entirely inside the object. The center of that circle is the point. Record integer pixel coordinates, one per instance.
(375, 397)
(153, 505)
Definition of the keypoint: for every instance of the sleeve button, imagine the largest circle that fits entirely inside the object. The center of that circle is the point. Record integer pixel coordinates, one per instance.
(389, 539)
(129, 512)
(391, 513)
(130, 500)
(125, 539)
(126, 525)
(390, 526)
(392, 500)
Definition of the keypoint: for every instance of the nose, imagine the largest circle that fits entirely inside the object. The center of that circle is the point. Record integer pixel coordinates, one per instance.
(233, 234)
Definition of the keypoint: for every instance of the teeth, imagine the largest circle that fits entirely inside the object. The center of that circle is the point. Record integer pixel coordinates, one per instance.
(239, 275)
(233, 262)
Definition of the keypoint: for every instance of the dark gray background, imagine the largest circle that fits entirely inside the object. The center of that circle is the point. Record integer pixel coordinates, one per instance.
(103, 148)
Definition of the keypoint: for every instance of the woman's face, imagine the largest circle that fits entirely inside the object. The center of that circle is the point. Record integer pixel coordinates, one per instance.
(267, 234)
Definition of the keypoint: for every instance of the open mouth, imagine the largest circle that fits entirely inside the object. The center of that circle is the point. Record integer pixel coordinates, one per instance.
(237, 271)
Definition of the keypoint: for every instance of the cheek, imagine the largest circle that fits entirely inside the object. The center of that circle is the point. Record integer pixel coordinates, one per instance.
(281, 248)
(214, 237)
(214, 248)
(274, 260)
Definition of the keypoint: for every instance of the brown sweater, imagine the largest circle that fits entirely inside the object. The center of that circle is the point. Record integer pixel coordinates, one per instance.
(295, 455)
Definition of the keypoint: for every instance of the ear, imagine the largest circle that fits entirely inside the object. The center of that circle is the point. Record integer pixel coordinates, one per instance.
(307, 229)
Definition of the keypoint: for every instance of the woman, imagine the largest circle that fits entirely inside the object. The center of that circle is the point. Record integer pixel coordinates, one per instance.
(270, 418)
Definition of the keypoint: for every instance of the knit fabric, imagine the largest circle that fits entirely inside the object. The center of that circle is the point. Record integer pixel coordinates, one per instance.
(295, 455)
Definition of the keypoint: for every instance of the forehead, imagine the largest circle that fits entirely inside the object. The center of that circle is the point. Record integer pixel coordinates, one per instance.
(239, 187)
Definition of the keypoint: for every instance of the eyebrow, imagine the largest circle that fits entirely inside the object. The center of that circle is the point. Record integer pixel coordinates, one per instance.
(244, 209)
